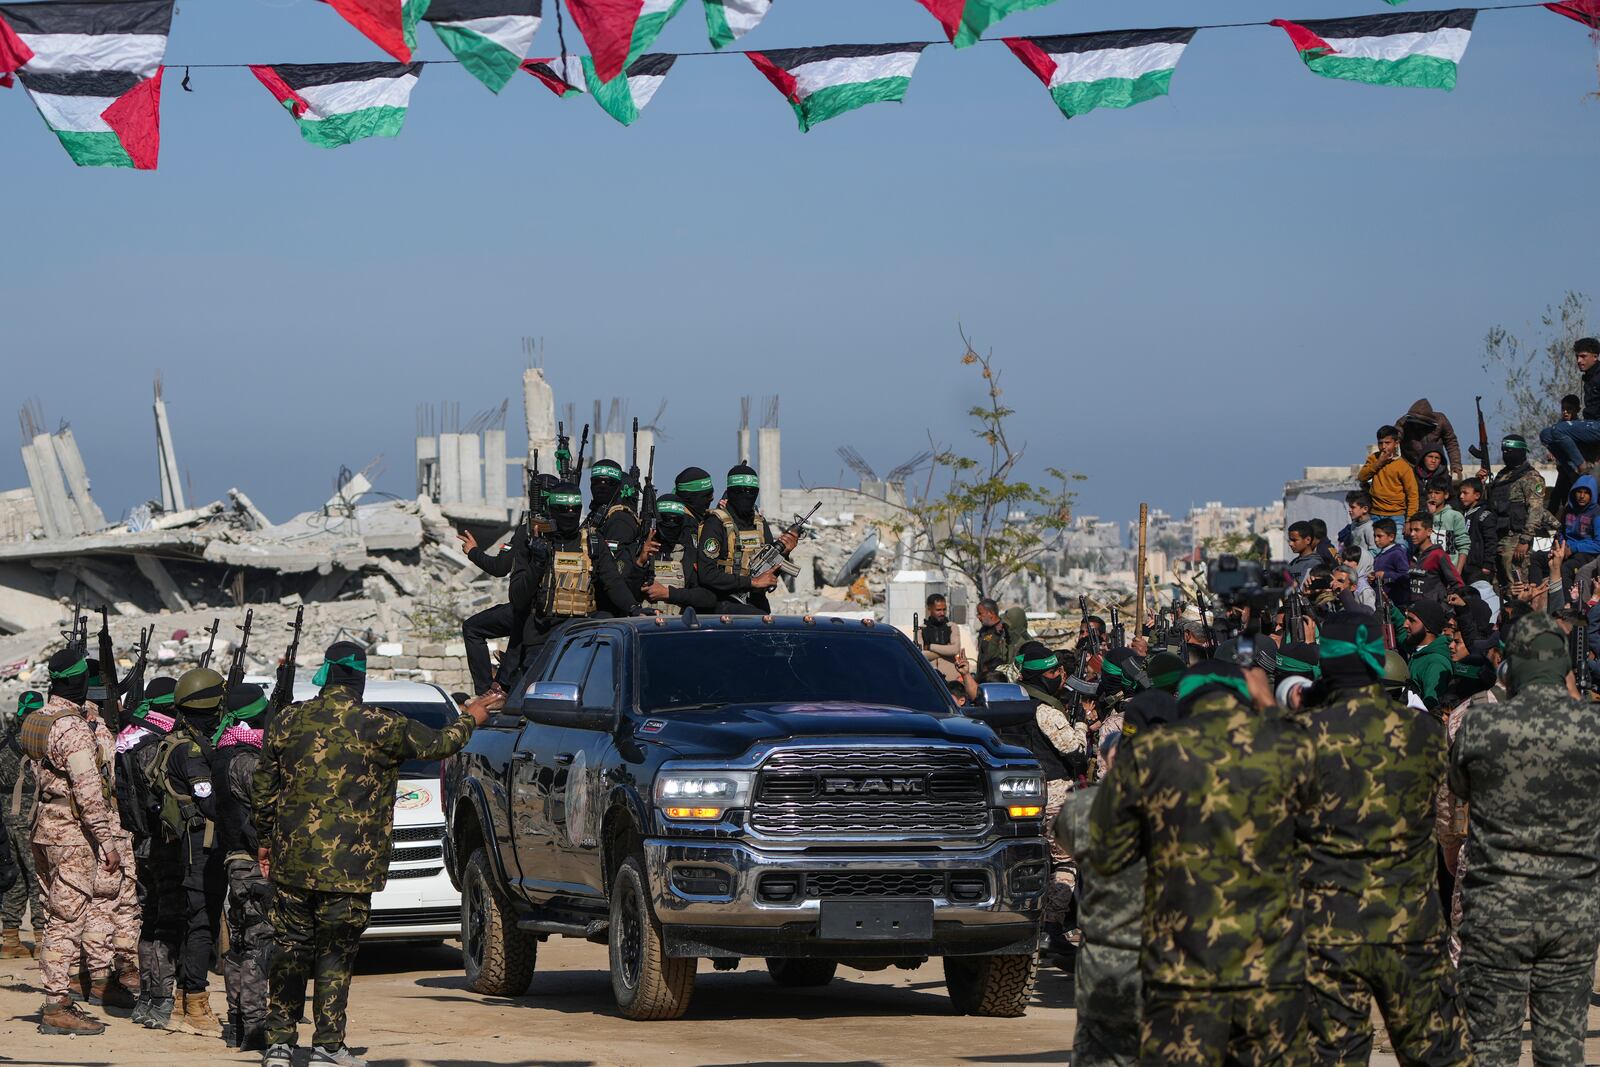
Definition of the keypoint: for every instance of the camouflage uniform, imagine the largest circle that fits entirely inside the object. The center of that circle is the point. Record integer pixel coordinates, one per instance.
(1210, 803)
(1530, 774)
(324, 805)
(1374, 924)
(245, 967)
(118, 913)
(1108, 991)
(1068, 735)
(16, 809)
(1517, 495)
(73, 825)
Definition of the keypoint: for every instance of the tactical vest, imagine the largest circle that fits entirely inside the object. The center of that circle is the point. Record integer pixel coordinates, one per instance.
(739, 547)
(572, 583)
(669, 572)
(178, 812)
(34, 738)
(140, 814)
(1426, 584)
(1500, 490)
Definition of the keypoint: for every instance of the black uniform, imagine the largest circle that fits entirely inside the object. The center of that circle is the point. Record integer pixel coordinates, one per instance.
(204, 883)
(248, 962)
(535, 600)
(684, 553)
(720, 574)
(497, 621)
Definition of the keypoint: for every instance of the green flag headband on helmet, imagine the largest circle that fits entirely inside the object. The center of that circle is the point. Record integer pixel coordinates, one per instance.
(1368, 646)
(1191, 683)
(29, 702)
(606, 469)
(80, 667)
(1049, 663)
(743, 481)
(699, 485)
(566, 500)
(149, 704)
(1299, 666)
(671, 507)
(354, 662)
(238, 715)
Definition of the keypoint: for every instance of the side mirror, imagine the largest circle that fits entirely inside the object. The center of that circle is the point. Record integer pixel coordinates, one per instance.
(559, 704)
(1001, 704)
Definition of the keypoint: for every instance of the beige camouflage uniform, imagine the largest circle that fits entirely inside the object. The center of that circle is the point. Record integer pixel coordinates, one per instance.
(118, 912)
(1067, 737)
(74, 823)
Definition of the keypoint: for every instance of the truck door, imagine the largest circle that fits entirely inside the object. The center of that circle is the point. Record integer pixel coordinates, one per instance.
(587, 754)
(537, 779)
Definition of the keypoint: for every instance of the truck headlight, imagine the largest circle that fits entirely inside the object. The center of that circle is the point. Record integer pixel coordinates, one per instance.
(1021, 794)
(701, 794)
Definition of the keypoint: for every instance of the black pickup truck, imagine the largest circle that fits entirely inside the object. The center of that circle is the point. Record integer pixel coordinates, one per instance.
(801, 790)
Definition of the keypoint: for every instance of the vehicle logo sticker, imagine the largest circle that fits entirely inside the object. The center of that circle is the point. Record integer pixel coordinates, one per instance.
(653, 726)
(412, 799)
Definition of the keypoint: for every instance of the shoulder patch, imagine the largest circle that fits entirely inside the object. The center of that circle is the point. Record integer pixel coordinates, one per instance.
(712, 548)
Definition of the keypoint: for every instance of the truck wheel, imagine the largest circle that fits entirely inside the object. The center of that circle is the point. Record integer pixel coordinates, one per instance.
(995, 986)
(499, 958)
(646, 982)
(801, 974)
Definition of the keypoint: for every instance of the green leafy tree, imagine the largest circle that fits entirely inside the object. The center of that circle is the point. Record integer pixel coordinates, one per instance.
(985, 522)
(1538, 370)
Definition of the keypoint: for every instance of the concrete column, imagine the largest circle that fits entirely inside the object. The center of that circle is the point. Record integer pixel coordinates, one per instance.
(427, 463)
(171, 481)
(471, 466)
(449, 468)
(742, 450)
(613, 445)
(770, 468)
(55, 487)
(647, 440)
(78, 480)
(539, 404)
(41, 502)
(494, 468)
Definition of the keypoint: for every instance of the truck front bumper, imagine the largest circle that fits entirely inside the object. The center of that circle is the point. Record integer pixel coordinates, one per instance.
(730, 899)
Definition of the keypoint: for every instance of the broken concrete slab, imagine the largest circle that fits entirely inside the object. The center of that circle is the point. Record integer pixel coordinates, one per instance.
(166, 588)
(26, 599)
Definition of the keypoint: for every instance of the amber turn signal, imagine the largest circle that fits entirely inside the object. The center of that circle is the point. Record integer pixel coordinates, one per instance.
(1024, 811)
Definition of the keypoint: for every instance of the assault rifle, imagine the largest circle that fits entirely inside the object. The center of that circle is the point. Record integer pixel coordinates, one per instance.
(111, 707)
(583, 446)
(633, 467)
(1294, 616)
(1119, 633)
(538, 514)
(283, 685)
(77, 632)
(236, 667)
(1481, 451)
(771, 556)
(133, 686)
(1090, 639)
(1381, 596)
(211, 646)
(563, 453)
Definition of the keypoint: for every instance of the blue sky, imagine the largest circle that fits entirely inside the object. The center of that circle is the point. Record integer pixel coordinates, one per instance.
(1189, 299)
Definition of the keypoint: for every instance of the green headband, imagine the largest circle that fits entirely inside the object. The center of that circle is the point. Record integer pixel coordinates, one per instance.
(1514, 442)
(1165, 681)
(354, 662)
(699, 485)
(1367, 646)
(151, 703)
(1107, 667)
(566, 500)
(743, 481)
(606, 470)
(1299, 666)
(1468, 670)
(80, 667)
(1050, 662)
(28, 702)
(671, 507)
(238, 715)
(1190, 683)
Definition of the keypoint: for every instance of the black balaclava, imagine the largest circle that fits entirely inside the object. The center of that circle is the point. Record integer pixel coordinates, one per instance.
(1513, 451)
(247, 703)
(694, 487)
(672, 515)
(566, 509)
(1471, 676)
(344, 664)
(1148, 709)
(743, 489)
(1211, 676)
(1035, 661)
(69, 675)
(1352, 650)
(157, 698)
(1299, 658)
(605, 484)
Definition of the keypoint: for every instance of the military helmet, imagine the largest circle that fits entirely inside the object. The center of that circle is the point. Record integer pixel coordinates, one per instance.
(199, 690)
(1395, 671)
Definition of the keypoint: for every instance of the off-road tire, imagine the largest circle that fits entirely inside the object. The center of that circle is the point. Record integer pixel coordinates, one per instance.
(994, 986)
(647, 983)
(499, 959)
(801, 973)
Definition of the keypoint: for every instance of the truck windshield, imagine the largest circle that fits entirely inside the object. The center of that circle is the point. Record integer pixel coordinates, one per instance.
(708, 669)
(434, 714)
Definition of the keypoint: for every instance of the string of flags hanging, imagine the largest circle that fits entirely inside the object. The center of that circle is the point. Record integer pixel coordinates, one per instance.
(94, 68)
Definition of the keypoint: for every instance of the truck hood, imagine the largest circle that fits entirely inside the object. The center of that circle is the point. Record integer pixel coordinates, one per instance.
(731, 731)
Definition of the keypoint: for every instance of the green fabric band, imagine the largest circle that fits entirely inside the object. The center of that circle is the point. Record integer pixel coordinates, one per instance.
(80, 667)
(1468, 670)
(28, 702)
(1107, 667)
(244, 714)
(151, 703)
(671, 507)
(566, 500)
(699, 485)
(353, 662)
(1299, 666)
(743, 481)
(1367, 646)
(1192, 683)
(1514, 442)
(606, 470)
(1166, 681)
(1049, 663)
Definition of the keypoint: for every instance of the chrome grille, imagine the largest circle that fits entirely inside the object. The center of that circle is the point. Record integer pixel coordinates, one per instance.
(950, 798)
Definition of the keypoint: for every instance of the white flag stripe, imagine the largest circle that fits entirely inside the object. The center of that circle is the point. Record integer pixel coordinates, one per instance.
(847, 70)
(1114, 63)
(1448, 43)
(515, 32)
(642, 87)
(744, 15)
(341, 98)
(655, 7)
(77, 114)
(74, 53)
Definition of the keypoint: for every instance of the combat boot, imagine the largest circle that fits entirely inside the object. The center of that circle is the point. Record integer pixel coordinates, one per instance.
(65, 1018)
(157, 1014)
(140, 1012)
(110, 993)
(198, 1016)
(12, 948)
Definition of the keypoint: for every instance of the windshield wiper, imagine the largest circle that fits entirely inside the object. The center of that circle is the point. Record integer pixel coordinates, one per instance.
(711, 705)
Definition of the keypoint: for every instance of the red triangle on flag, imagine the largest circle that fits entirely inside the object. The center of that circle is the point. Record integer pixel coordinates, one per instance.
(607, 28)
(13, 53)
(135, 118)
(948, 12)
(380, 20)
(1584, 11)
(1304, 40)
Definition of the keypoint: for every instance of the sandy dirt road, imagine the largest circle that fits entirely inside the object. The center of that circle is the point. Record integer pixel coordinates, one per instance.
(410, 1007)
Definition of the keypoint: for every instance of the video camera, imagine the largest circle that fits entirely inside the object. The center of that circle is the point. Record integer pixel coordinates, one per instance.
(1239, 583)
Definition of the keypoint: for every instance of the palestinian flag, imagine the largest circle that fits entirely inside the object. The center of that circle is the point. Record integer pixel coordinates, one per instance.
(965, 20)
(623, 98)
(490, 37)
(618, 31)
(562, 75)
(389, 24)
(337, 103)
(94, 72)
(823, 82)
(729, 20)
(1584, 11)
(1421, 49)
(1084, 71)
